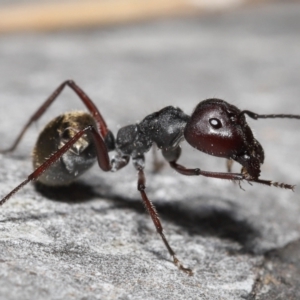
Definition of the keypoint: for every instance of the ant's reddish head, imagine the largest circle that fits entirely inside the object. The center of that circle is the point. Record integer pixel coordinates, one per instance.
(217, 128)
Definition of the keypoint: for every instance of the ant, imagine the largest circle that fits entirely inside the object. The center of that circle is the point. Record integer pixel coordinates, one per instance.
(71, 143)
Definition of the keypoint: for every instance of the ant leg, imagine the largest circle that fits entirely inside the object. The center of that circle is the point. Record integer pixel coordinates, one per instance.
(229, 176)
(229, 164)
(172, 155)
(101, 125)
(139, 165)
(273, 183)
(102, 157)
(157, 163)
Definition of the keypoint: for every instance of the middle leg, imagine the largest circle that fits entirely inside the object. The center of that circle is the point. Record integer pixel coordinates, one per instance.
(139, 165)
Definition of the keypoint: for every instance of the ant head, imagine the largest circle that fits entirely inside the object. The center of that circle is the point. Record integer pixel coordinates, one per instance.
(219, 129)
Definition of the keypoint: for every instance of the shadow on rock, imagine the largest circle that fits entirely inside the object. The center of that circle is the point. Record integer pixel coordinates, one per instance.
(74, 193)
(208, 220)
(204, 220)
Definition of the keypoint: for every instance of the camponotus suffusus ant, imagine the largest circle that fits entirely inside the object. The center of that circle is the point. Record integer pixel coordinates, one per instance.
(71, 143)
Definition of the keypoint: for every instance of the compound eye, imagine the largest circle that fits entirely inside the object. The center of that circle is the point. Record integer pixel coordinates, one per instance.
(215, 123)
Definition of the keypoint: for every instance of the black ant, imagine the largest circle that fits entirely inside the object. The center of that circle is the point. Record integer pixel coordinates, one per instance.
(71, 143)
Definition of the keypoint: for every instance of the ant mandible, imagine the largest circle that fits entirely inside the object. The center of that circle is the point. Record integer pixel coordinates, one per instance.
(71, 143)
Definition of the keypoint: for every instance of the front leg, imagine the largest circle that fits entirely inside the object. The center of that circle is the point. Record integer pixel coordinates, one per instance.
(173, 154)
(229, 164)
(228, 176)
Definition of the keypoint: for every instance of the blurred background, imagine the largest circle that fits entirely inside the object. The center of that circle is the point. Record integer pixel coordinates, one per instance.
(48, 15)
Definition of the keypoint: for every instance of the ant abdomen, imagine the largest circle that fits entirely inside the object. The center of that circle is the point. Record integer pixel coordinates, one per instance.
(76, 160)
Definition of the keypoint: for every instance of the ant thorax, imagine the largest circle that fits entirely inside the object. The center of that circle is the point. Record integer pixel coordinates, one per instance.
(164, 128)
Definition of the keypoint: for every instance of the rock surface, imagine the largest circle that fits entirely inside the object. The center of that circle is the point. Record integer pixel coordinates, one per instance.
(93, 240)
